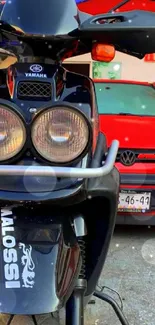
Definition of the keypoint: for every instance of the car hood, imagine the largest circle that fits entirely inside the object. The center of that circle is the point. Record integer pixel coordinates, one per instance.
(133, 132)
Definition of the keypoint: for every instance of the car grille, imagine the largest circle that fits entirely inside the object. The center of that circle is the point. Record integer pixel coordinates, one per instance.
(34, 90)
(129, 156)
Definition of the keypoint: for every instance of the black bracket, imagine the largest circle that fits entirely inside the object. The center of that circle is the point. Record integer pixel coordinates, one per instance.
(114, 305)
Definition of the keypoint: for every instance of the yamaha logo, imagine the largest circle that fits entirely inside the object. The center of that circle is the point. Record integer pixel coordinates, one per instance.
(36, 68)
(127, 158)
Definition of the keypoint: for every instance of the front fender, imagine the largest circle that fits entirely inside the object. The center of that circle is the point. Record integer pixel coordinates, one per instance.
(39, 263)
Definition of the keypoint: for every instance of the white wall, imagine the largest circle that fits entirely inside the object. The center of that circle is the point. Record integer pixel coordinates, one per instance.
(132, 68)
(136, 69)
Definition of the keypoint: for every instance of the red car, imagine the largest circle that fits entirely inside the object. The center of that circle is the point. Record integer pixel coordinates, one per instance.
(127, 113)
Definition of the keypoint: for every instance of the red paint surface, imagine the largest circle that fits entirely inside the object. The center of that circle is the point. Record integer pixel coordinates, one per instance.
(147, 156)
(149, 57)
(121, 81)
(147, 214)
(137, 187)
(134, 132)
(137, 168)
(10, 82)
(95, 7)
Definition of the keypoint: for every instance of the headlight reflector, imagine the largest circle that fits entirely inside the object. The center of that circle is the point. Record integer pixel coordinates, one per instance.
(60, 134)
(12, 133)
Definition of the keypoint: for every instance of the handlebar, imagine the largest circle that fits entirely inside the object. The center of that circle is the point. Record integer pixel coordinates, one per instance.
(16, 170)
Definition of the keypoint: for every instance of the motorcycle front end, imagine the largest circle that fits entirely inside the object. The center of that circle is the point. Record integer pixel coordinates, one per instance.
(55, 172)
(58, 184)
(59, 187)
(58, 197)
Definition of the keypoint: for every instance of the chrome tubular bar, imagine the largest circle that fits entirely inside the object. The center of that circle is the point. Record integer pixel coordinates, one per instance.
(16, 170)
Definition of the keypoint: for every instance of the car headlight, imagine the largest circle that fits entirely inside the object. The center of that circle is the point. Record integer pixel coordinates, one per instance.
(60, 134)
(12, 133)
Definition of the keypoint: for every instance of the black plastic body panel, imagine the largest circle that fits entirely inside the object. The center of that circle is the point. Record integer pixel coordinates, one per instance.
(127, 31)
(39, 262)
(103, 193)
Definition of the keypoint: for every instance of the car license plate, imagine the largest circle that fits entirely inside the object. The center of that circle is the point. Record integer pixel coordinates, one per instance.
(134, 202)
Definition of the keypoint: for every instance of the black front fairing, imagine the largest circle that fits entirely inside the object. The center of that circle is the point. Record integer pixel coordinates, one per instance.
(39, 17)
(76, 91)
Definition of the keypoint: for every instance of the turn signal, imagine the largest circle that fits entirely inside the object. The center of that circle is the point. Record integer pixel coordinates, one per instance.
(102, 52)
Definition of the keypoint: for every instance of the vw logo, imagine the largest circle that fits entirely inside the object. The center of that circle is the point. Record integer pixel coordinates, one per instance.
(36, 68)
(127, 158)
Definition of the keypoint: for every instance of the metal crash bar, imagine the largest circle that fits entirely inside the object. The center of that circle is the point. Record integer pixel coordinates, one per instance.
(16, 170)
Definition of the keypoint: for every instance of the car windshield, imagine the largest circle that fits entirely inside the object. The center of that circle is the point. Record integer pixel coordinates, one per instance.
(125, 98)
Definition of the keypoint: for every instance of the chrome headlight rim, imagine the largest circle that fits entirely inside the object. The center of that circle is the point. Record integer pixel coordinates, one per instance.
(64, 106)
(16, 110)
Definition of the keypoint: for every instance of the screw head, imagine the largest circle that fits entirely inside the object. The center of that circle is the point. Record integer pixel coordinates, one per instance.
(33, 110)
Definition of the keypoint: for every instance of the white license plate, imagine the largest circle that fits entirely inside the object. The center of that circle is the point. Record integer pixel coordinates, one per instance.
(134, 202)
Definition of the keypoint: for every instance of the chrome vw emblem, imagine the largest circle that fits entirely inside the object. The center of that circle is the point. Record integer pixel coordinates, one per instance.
(127, 158)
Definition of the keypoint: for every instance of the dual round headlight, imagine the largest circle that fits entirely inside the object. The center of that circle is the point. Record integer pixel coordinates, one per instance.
(12, 133)
(59, 134)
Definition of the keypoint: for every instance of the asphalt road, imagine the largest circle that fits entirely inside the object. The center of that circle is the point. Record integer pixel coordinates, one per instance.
(130, 270)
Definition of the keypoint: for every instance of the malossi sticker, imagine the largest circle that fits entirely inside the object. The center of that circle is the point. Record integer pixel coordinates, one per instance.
(14, 278)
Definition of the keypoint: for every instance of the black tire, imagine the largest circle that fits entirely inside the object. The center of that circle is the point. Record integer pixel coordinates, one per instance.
(48, 319)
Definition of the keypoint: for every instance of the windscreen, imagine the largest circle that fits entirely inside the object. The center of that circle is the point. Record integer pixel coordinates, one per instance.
(46, 17)
(119, 98)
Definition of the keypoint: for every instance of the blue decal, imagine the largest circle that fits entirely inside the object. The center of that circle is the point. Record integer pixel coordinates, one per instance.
(79, 1)
(10, 43)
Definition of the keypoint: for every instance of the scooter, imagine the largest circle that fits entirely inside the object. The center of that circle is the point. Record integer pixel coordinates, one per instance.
(59, 187)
